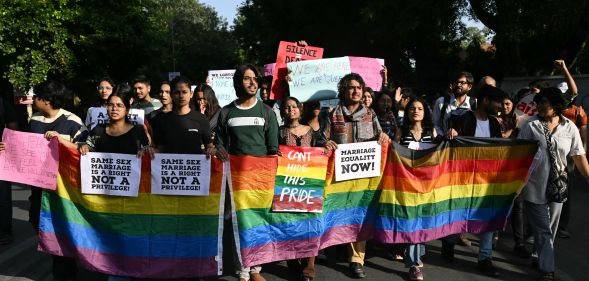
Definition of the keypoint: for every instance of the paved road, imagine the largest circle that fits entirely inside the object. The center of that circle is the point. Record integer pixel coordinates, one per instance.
(20, 260)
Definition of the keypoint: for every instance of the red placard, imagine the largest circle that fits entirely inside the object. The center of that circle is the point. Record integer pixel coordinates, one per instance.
(288, 52)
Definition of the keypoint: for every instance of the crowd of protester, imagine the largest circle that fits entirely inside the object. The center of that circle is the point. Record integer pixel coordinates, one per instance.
(186, 121)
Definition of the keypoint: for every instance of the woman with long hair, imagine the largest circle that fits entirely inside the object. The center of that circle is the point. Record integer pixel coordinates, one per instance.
(104, 89)
(418, 128)
(293, 133)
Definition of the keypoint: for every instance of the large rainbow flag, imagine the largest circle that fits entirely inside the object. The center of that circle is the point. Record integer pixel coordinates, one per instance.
(150, 236)
(465, 185)
(349, 213)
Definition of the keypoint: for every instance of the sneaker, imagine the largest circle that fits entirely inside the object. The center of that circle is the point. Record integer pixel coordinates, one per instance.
(486, 267)
(357, 270)
(257, 277)
(415, 273)
(6, 239)
(522, 252)
(547, 276)
(463, 241)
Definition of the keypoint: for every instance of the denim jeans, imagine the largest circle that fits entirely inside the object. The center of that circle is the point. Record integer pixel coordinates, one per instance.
(486, 245)
(413, 254)
(5, 208)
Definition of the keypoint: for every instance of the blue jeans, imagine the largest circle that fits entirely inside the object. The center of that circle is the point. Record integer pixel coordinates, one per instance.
(5, 208)
(486, 245)
(413, 254)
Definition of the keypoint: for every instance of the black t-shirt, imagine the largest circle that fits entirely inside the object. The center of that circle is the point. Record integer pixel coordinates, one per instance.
(7, 114)
(181, 134)
(127, 143)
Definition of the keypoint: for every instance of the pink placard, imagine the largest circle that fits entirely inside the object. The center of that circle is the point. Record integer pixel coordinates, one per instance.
(269, 69)
(29, 159)
(289, 52)
(369, 69)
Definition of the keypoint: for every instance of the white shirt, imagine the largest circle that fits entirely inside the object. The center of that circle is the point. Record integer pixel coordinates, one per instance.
(442, 125)
(483, 129)
(568, 142)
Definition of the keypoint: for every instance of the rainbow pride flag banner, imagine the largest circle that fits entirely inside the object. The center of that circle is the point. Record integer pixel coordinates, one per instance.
(349, 213)
(300, 178)
(465, 185)
(149, 236)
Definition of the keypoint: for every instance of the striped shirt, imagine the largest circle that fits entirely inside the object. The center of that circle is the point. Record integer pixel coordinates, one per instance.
(68, 125)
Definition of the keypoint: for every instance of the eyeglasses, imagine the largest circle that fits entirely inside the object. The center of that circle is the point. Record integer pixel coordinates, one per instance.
(462, 83)
(100, 88)
(250, 79)
(115, 105)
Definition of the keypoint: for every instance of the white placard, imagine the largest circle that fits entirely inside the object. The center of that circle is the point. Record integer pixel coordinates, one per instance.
(110, 174)
(222, 83)
(415, 145)
(98, 115)
(357, 160)
(180, 174)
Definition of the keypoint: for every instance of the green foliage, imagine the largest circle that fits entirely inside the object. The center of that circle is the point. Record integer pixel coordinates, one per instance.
(34, 40)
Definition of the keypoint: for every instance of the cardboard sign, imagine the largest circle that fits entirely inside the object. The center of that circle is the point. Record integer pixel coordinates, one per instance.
(269, 69)
(289, 52)
(222, 83)
(300, 178)
(180, 174)
(110, 174)
(357, 160)
(318, 79)
(525, 109)
(29, 159)
(99, 115)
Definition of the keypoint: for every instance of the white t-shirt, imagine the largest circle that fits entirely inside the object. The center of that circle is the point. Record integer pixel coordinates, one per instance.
(483, 129)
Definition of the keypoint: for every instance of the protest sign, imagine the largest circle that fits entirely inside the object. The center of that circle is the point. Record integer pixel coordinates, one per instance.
(269, 69)
(222, 83)
(357, 160)
(329, 103)
(318, 79)
(370, 70)
(525, 109)
(300, 178)
(180, 174)
(99, 116)
(110, 174)
(289, 52)
(29, 159)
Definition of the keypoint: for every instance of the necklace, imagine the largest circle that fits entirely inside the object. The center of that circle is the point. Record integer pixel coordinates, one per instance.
(292, 126)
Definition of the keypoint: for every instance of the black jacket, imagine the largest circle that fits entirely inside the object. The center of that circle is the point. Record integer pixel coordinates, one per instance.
(466, 125)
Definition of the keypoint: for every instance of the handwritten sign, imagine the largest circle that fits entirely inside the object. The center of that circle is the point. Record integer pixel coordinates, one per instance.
(289, 52)
(98, 116)
(370, 70)
(110, 174)
(357, 160)
(180, 174)
(222, 84)
(300, 178)
(318, 79)
(29, 159)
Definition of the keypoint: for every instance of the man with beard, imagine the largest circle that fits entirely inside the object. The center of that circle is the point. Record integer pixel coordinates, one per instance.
(456, 103)
(480, 123)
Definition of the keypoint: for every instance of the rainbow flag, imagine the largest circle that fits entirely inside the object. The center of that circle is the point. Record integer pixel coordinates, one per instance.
(349, 213)
(149, 236)
(465, 185)
(300, 178)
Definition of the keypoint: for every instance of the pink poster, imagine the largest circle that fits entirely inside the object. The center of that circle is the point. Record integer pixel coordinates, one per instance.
(370, 70)
(29, 159)
(269, 69)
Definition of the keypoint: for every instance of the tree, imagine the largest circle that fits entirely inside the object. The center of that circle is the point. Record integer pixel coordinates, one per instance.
(35, 39)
